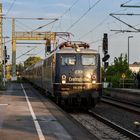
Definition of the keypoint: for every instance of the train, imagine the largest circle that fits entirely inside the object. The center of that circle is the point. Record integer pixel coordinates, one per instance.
(70, 74)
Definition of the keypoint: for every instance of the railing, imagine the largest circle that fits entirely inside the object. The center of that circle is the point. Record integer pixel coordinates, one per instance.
(128, 83)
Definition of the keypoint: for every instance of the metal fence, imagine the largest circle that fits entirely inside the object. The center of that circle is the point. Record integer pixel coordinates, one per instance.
(128, 83)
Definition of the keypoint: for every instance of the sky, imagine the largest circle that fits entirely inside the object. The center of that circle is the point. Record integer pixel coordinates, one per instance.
(86, 20)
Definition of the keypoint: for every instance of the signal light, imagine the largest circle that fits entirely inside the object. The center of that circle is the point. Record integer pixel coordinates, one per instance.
(106, 57)
(5, 51)
(105, 42)
(5, 55)
(4, 61)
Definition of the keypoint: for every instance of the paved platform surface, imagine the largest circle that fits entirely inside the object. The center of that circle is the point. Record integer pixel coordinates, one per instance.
(23, 116)
(124, 94)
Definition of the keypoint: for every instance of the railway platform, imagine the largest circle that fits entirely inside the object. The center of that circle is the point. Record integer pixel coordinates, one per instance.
(124, 90)
(131, 90)
(124, 94)
(27, 115)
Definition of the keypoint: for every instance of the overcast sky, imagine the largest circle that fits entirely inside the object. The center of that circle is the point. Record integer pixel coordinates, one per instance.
(87, 20)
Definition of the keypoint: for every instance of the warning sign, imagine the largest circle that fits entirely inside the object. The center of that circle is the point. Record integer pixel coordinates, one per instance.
(123, 76)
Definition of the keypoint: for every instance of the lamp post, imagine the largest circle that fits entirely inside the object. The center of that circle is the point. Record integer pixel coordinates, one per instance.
(128, 47)
(99, 48)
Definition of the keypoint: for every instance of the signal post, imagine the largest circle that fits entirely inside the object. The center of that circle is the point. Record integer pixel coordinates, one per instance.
(106, 55)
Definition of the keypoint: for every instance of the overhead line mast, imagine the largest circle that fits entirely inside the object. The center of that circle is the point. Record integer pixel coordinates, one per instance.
(31, 35)
(128, 14)
(112, 14)
(130, 6)
(28, 18)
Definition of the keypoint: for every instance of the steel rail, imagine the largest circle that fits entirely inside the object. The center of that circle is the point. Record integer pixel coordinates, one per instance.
(115, 126)
(122, 104)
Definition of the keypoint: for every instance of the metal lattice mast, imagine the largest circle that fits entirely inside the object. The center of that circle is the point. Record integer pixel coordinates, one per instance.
(13, 51)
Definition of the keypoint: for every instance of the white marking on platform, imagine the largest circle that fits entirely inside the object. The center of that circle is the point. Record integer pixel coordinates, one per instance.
(3, 104)
(37, 126)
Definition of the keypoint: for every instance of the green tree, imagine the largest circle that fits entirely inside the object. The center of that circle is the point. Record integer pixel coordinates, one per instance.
(31, 60)
(115, 71)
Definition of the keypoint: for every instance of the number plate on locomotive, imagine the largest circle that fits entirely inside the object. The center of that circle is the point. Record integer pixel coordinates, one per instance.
(78, 87)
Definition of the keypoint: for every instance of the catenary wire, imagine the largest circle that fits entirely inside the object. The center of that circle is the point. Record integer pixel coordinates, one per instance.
(73, 24)
(69, 8)
(10, 8)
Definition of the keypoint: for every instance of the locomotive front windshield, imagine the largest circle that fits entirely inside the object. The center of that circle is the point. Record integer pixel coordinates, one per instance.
(85, 60)
(88, 60)
(68, 60)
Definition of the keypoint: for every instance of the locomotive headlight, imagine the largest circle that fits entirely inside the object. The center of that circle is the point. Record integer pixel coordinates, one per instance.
(93, 82)
(93, 77)
(88, 75)
(63, 79)
(78, 49)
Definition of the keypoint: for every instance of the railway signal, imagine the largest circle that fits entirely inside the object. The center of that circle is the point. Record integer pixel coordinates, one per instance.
(4, 63)
(105, 58)
(5, 55)
(105, 42)
(105, 48)
(106, 55)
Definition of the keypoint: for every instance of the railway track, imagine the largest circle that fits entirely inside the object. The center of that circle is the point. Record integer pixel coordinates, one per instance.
(116, 127)
(103, 128)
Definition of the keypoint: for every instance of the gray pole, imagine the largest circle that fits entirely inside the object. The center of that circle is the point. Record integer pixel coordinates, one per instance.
(128, 47)
(128, 51)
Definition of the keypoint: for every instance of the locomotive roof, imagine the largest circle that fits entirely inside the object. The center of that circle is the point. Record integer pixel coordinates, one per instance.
(73, 50)
(75, 47)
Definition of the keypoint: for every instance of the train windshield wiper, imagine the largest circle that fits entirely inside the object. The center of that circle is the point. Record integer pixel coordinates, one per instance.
(91, 64)
(66, 63)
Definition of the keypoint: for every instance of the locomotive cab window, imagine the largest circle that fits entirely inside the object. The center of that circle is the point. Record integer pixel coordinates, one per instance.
(68, 60)
(88, 60)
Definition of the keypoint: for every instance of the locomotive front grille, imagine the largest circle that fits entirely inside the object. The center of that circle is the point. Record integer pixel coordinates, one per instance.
(76, 86)
(74, 89)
